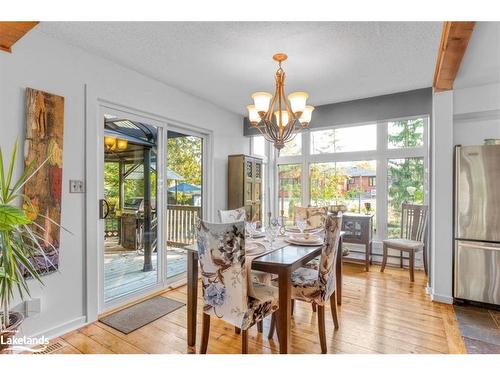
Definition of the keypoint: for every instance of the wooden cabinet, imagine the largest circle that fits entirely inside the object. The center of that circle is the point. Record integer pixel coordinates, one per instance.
(358, 229)
(245, 185)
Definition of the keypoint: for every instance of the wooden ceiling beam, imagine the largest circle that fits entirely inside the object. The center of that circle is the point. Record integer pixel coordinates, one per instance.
(454, 40)
(11, 32)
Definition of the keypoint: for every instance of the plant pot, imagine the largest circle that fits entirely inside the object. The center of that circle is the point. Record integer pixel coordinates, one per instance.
(16, 320)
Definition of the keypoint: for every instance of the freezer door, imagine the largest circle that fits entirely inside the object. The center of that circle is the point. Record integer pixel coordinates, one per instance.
(477, 271)
(478, 193)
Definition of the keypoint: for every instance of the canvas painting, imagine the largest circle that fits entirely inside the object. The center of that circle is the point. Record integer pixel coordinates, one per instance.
(44, 147)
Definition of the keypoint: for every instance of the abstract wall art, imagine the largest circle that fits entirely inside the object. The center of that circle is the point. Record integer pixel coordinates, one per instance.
(44, 147)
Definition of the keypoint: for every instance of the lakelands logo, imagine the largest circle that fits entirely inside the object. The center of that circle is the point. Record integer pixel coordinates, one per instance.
(15, 343)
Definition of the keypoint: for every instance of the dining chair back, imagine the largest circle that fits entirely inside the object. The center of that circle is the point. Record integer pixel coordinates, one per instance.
(413, 221)
(314, 216)
(221, 254)
(230, 216)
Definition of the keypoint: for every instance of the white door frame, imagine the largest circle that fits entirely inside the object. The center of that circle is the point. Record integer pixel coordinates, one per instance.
(94, 143)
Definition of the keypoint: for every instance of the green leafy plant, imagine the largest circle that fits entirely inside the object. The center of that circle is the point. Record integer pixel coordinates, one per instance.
(19, 244)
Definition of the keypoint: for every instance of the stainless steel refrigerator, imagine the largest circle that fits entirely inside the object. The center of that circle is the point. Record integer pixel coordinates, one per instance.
(477, 224)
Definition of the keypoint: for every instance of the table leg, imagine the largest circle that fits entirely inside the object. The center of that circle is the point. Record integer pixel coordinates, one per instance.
(192, 300)
(285, 310)
(339, 273)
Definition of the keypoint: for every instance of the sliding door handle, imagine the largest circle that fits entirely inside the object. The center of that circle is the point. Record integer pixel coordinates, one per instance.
(103, 209)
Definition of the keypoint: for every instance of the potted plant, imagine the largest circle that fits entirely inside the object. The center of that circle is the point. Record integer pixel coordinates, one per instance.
(19, 245)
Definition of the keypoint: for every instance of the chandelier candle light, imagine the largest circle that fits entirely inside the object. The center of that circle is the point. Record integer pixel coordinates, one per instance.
(277, 118)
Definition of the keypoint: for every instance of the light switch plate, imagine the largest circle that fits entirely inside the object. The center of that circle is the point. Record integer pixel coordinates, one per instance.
(76, 186)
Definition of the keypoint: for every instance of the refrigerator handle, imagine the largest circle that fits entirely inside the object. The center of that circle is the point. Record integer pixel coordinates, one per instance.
(456, 177)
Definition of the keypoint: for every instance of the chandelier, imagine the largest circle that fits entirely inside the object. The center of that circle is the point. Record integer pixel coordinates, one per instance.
(277, 118)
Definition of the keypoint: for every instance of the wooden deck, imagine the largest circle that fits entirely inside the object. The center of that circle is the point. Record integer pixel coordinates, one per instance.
(123, 271)
(381, 313)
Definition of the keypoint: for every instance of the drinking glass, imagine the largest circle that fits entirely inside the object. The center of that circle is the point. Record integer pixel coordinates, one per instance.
(301, 224)
(271, 234)
(251, 228)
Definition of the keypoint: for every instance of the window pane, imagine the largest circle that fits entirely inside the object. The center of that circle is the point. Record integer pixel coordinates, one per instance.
(405, 184)
(259, 146)
(405, 133)
(350, 139)
(349, 183)
(290, 185)
(294, 147)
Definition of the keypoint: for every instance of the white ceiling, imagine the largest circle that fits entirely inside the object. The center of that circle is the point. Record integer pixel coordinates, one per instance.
(224, 62)
(481, 62)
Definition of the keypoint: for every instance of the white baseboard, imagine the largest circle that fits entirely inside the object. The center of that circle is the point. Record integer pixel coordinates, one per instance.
(441, 298)
(63, 328)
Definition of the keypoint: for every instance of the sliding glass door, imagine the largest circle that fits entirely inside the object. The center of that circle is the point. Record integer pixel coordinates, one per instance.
(129, 208)
(184, 197)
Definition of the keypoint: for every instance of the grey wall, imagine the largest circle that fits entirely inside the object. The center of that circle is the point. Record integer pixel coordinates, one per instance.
(384, 107)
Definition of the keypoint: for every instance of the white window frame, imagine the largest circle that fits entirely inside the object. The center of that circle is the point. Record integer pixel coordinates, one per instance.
(381, 155)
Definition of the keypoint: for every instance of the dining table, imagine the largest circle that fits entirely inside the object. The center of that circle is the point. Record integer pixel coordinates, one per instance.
(281, 261)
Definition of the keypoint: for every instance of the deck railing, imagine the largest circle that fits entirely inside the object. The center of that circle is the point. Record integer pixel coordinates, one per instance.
(180, 224)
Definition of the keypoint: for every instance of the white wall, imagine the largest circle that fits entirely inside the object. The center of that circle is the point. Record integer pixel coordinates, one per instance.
(44, 63)
(476, 114)
(441, 197)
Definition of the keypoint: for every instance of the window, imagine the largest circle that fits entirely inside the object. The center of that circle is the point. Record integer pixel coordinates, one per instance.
(341, 139)
(290, 188)
(405, 133)
(343, 166)
(294, 147)
(344, 183)
(405, 183)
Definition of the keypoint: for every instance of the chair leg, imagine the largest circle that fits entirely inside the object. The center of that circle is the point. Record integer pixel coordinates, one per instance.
(260, 326)
(314, 307)
(333, 307)
(401, 265)
(205, 333)
(412, 265)
(293, 306)
(424, 255)
(272, 327)
(237, 330)
(244, 341)
(321, 328)
(384, 258)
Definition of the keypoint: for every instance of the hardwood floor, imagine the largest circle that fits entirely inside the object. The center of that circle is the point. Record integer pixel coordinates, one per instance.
(380, 313)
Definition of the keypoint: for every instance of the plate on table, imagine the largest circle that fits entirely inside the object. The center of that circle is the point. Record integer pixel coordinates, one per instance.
(258, 234)
(295, 229)
(254, 249)
(300, 239)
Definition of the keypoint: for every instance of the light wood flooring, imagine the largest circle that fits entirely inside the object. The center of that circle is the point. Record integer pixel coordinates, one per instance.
(380, 313)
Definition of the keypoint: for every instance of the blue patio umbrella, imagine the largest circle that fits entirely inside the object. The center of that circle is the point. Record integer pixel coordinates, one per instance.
(185, 188)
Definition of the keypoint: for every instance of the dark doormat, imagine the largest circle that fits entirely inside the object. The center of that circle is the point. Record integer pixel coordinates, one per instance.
(137, 316)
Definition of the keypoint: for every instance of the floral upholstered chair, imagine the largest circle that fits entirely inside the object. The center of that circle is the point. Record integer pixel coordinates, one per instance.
(239, 214)
(227, 292)
(314, 216)
(230, 216)
(318, 286)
